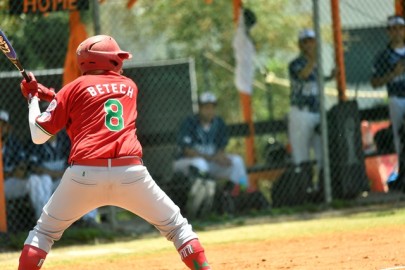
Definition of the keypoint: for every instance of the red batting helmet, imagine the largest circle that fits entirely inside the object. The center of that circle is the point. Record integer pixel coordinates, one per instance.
(100, 52)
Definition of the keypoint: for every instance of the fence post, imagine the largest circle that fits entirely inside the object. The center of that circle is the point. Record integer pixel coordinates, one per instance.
(339, 58)
(324, 126)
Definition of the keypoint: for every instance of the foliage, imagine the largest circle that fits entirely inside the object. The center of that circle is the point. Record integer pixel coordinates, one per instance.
(157, 30)
(40, 43)
(181, 29)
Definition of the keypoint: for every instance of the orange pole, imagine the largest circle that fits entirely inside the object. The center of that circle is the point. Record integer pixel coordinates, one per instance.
(131, 3)
(237, 4)
(399, 7)
(77, 35)
(3, 216)
(246, 103)
(339, 58)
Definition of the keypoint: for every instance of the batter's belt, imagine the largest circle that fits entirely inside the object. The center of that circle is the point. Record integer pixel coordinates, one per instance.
(110, 162)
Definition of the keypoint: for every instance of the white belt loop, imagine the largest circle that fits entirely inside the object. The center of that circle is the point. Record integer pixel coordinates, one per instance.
(109, 163)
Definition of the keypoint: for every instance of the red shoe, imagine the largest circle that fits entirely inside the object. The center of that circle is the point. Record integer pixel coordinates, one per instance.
(192, 254)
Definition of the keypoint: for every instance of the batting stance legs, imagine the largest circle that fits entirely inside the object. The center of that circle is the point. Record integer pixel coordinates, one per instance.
(129, 187)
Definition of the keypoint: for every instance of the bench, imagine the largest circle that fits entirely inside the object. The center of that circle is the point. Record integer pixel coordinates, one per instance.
(263, 172)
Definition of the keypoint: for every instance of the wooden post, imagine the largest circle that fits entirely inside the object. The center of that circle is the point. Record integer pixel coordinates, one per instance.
(339, 58)
(3, 215)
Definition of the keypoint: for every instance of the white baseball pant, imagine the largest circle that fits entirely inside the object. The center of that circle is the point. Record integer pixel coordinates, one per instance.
(396, 107)
(84, 188)
(302, 135)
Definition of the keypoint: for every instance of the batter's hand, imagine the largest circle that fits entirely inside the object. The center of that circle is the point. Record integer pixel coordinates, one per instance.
(45, 93)
(29, 89)
(33, 88)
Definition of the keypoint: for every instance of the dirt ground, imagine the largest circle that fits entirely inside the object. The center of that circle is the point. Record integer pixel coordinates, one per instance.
(368, 249)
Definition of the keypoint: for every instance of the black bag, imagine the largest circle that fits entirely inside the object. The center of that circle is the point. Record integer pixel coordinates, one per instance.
(177, 189)
(20, 214)
(348, 171)
(247, 201)
(293, 187)
(224, 202)
(275, 154)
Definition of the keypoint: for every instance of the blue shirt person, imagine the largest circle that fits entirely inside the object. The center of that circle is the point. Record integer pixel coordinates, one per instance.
(202, 140)
(389, 70)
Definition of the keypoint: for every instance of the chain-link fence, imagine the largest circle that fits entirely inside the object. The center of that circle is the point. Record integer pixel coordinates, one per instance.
(184, 48)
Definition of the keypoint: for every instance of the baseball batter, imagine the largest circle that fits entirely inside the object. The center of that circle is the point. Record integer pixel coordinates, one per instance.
(99, 112)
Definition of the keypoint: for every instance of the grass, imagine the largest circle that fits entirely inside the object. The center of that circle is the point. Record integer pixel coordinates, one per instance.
(80, 236)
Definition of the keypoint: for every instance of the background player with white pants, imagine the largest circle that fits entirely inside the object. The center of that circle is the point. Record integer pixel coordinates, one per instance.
(99, 111)
(389, 70)
(304, 114)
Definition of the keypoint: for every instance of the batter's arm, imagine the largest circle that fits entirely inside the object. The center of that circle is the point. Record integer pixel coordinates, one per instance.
(38, 136)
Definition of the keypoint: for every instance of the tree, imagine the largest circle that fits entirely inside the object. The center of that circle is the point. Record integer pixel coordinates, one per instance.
(40, 41)
(156, 30)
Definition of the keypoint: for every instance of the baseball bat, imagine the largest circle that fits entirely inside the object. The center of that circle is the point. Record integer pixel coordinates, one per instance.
(8, 50)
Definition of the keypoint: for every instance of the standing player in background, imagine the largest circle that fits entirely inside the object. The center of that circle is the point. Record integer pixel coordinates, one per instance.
(99, 111)
(304, 114)
(389, 70)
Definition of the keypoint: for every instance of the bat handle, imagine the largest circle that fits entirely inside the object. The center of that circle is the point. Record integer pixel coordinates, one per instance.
(25, 75)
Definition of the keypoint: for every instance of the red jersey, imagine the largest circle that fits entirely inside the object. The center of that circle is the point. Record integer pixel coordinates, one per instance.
(99, 113)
